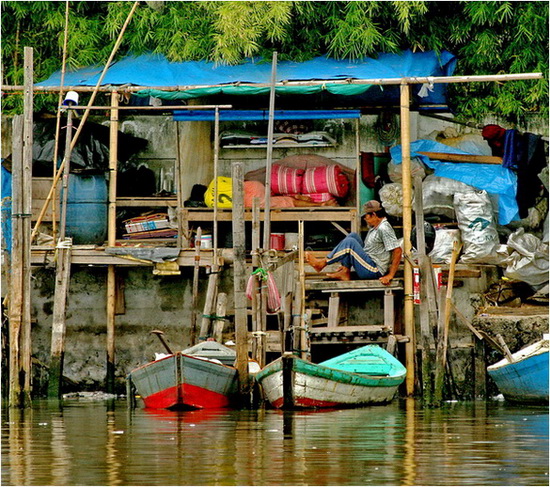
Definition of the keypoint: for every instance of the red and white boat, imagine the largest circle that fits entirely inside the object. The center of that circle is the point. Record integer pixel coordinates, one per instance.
(196, 378)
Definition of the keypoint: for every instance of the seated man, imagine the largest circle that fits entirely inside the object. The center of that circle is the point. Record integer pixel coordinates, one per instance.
(377, 258)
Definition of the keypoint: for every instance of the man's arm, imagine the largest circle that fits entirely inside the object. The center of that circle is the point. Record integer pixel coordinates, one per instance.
(395, 260)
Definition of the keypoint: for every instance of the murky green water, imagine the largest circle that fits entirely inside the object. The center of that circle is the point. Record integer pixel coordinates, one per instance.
(101, 443)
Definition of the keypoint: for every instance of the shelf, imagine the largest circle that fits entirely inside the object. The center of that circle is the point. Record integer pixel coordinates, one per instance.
(147, 201)
(277, 214)
(276, 146)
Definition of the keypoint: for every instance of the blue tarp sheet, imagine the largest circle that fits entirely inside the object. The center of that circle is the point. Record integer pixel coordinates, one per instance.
(497, 180)
(153, 70)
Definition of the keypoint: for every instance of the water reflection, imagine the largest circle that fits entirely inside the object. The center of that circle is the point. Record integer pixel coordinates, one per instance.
(86, 443)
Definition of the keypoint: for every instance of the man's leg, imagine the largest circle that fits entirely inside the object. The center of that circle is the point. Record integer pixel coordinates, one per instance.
(319, 263)
(350, 253)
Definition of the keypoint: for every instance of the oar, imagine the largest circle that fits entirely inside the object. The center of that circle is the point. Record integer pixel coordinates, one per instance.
(160, 334)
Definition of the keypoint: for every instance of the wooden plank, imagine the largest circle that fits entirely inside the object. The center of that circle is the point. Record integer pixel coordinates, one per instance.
(348, 329)
(468, 158)
(333, 309)
(129, 201)
(346, 286)
(219, 322)
(195, 293)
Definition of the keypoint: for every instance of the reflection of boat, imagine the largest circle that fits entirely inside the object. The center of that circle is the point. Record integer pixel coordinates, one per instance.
(525, 378)
(190, 380)
(367, 375)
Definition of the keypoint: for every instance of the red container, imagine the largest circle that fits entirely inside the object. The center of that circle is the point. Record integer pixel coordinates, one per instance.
(277, 241)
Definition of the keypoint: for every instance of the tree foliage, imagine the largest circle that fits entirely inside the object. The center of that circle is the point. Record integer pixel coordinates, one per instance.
(488, 37)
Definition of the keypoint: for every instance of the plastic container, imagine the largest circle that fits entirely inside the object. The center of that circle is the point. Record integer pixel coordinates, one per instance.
(87, 209)
(206, 241)
(291, 241)
(277, 241)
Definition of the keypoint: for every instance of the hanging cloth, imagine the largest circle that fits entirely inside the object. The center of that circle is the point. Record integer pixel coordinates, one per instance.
(273, 296)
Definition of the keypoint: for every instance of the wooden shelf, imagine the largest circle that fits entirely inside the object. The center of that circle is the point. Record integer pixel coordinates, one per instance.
(277, 146)
(128, 201)
(277, 214)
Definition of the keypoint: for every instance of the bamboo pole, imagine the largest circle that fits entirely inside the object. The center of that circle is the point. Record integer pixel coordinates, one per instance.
(66, 176)
(111, 242)
(269, 159)
(179, 187)
(256, 289)
(358, 177)
(410, 346)
(62, 277)
(304, 349)
(83, 120)
(239, 278)
(216, 159)
(58, 117)
(347, 81)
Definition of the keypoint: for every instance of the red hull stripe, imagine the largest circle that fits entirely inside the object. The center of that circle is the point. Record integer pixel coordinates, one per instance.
(191, 396)
(306, 402)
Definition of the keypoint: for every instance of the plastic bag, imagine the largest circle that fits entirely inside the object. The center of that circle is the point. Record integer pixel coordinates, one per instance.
(395, 171)
(474, 213)
(225, 193)
(528, 261)
(391, 197)
(438, 194)
(443, 245)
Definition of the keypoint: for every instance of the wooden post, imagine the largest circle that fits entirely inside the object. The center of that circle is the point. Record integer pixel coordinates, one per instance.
(427, 296)
(19, 302)
(196, 269)
(57, 349)
(304, 349)
(239, 278)
(442, 337)
(267, 206)
(358, 174)
(209, 305)
(221, 309)
(410, 347)
(26, 345)
(256, 290)
(111, 242)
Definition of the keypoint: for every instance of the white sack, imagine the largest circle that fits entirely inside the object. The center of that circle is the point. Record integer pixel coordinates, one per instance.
(528, 261)
(443, 245)
(474, 213)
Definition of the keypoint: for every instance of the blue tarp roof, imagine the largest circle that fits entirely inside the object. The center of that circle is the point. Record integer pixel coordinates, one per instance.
(154, 70)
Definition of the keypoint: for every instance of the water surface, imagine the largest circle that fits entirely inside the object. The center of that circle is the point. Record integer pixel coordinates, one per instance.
(104, 443)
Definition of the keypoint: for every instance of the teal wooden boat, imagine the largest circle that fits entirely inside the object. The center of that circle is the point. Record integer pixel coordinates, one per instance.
(367, 375)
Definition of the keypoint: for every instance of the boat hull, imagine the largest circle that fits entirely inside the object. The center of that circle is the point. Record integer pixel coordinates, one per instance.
(524, 381)
(290, 382)
(183, 381)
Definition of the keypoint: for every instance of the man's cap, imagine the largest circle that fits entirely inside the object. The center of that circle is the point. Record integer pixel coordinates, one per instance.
(370, 207)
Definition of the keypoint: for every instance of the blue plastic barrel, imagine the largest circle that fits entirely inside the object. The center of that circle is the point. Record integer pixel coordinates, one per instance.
(87, 209)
